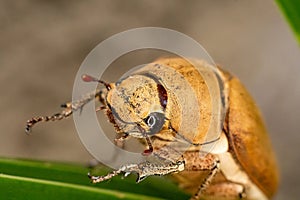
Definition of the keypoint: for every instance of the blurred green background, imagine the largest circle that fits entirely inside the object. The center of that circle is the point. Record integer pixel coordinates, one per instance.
(43, 43)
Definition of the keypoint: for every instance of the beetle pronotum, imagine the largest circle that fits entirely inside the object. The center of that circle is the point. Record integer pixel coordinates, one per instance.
(145, 105)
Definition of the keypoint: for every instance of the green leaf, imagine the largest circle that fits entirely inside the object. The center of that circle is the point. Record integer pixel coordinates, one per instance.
(291, 11)
(25, 179)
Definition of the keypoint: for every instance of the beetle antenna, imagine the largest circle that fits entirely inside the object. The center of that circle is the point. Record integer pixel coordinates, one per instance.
(88, 78)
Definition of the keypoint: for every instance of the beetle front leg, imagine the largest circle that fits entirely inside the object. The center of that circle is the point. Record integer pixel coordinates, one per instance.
(143, 170)
(69, 108)
(58, 116)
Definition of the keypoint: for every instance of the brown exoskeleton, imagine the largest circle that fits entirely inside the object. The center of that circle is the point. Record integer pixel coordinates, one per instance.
(145, 105)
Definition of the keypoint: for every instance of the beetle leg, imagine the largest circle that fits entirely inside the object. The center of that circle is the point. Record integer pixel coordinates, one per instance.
(120, 140)
(143, 170)
(161, 165)
(100, 108)
(226, 190)
(69, 108)
(58, 116)
(207, 180)
(200, 163)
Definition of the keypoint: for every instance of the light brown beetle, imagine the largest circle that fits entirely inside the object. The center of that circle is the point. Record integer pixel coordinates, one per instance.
(145, 105)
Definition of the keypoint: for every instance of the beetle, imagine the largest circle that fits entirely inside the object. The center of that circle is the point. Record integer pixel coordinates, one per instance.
(146, 105)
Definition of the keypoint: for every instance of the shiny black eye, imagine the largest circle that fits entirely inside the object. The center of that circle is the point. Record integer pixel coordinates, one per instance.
(155, 122)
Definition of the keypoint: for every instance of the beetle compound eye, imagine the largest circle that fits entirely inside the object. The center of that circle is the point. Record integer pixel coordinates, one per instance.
(155, 122)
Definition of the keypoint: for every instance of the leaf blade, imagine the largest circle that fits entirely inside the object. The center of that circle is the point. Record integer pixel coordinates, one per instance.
(20, 178)
(291, 11)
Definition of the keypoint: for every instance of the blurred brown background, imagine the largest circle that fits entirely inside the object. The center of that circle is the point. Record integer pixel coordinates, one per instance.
(43, 43)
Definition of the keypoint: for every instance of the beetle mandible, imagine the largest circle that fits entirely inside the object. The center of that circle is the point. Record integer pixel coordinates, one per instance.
(241, 165)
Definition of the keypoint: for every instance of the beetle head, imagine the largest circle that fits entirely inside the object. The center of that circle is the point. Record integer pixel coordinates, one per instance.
(136, 105)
